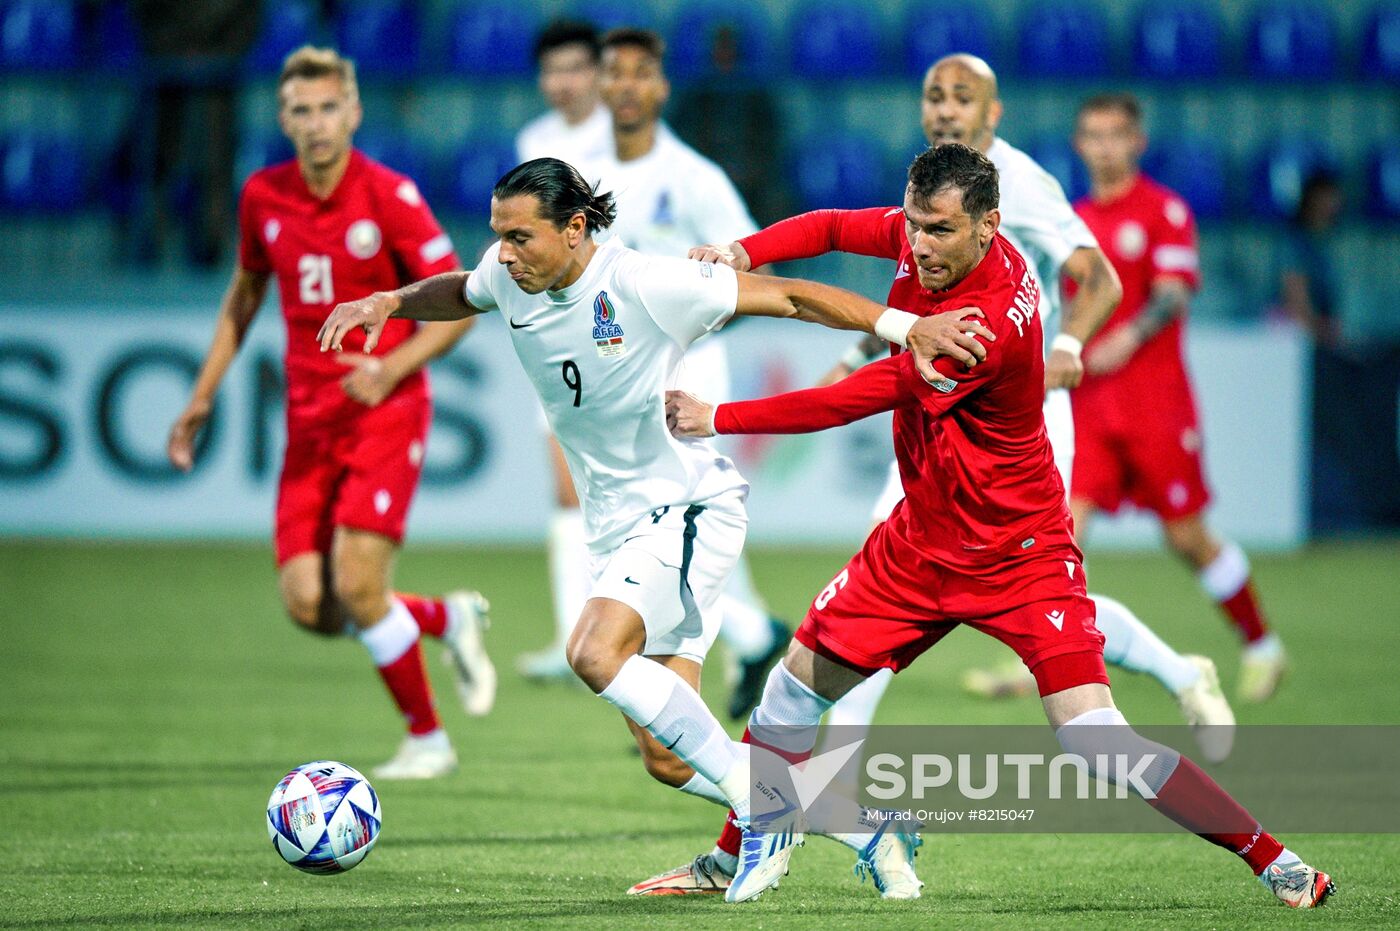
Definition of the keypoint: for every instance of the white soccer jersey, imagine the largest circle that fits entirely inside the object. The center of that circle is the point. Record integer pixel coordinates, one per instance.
(549, 136)
(1041, 224)
(670, 199)
(601, 354)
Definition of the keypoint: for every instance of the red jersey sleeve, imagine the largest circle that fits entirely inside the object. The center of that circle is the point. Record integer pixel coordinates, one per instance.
(251, 254)
(868, 391)
(1172, 242)
(939, 399)
(413, 234)
(875, 231)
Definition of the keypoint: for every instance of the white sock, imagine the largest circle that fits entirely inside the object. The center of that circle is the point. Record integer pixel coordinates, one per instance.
(1283, 861)
(672, 712)
(725, 860)
(1131, 644)
(568, 570)
(701, 787)
(392, 637)
(746, 628)
(850, 718)
(433, 740)
(1226, 574)
(788, 713)
(1268, 646)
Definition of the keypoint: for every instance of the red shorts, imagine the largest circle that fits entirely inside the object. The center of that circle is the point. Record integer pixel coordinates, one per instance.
(888, 606)
(359, 473)
(1150, 458)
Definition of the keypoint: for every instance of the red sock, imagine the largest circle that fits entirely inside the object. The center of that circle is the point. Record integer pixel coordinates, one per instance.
(408, 684)
(1194, 800)
(1243, 610)
(429, 613)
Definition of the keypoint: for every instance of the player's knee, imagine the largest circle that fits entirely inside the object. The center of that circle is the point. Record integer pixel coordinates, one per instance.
(307, 606)
(361, 593)
(1190, 539)
(592, 660)
(1114, 751)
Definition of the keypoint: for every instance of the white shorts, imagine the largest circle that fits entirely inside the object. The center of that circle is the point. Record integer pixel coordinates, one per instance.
(672, 568)
(1059, 426)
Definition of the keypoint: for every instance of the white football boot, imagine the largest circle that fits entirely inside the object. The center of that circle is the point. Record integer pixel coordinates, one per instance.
(466, 650)
(426, 757)
(1205, 708)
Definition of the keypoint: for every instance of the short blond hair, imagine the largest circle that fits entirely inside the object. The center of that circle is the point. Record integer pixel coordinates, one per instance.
(311, 62)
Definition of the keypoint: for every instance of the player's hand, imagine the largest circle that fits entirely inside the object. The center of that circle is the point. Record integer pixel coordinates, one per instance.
(368, 312)
(689, 416)
(734, 255)
(1112, 351)
(953, 334)
(370, 379)
(180, 446)
(1063, 370)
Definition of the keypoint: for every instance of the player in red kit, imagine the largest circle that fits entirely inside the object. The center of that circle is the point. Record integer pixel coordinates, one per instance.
(1138, 437)
(332, 225)
(983, 536)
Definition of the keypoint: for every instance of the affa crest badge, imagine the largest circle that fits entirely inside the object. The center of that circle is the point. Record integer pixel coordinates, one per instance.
(607, 333)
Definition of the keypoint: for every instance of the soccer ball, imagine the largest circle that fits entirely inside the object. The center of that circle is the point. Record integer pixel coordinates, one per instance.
(323, 817)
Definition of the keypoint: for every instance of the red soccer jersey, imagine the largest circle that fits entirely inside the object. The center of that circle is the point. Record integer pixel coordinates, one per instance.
(1148, 233)
(978, 472)
(373, 233)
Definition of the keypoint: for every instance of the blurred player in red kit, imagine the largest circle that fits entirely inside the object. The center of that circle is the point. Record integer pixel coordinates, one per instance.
(982, 537)
(1138, 435)
(332, 225)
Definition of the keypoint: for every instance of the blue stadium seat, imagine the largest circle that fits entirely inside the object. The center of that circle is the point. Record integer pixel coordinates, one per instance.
(39, 35)
(492, 40)
(1280, 170)
(693, 32)
(841, 171)
(1064, 39)
(41, 173)
(1057, 156)
(1180, 39)
(287, 25)
(1194, 167)
(612, 14)
(473, 172)
(117, 47)
(932, 30)
(1292, 39)
(1380, 44)
(1383, 175)
(395, 149)
(382, 36)
(835, 40)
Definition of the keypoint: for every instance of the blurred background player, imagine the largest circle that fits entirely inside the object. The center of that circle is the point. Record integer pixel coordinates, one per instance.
(333, 225)
(669, 197)
(577, 124)
(1138, 434)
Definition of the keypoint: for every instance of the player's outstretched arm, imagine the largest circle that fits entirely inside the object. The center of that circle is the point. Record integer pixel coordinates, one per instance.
(953, 334)
(236, 312)
(1170, 299)
(437, 298)
(1097, 295)
(875, 388)
(371, 379)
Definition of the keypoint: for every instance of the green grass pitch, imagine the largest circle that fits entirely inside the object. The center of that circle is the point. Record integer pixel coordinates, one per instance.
(150, 697)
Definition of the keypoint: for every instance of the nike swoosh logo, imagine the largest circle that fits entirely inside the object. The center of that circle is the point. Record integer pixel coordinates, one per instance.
(518, 326)
(672, 744)
(631, 581)
(811, 778)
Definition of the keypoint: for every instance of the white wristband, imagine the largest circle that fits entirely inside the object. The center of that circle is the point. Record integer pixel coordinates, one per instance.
(855, 357)
(1070, 344)
(894, 326)
(713, 411)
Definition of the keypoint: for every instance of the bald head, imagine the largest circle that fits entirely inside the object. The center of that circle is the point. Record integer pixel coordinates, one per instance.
(960, 102)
